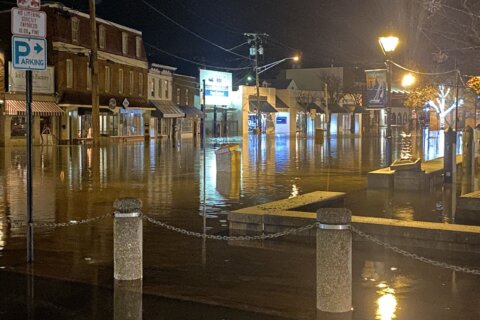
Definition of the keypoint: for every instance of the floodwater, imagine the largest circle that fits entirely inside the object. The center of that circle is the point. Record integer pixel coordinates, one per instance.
(187, 278)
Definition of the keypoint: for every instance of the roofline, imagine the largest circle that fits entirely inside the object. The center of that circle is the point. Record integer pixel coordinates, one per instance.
(57, 5)
(162, 66)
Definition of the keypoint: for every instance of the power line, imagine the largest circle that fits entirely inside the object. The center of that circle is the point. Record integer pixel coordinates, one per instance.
(424, 73)
(192, 61)
(192, 32)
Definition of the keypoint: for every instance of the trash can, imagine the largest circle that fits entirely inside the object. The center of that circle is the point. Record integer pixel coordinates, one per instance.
(319, 135)
(228, 157)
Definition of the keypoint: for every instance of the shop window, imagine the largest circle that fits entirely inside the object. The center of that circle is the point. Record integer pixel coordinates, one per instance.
(18, 127)
(75, 28)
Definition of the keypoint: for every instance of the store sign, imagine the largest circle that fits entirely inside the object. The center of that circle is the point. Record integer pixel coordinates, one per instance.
(376, 95)
(42, 81)
(218, 87)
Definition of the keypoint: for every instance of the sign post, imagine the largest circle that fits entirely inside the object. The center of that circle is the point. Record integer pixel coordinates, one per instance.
(29, 52)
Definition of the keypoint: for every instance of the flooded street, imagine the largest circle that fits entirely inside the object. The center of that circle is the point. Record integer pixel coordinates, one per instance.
(272, 279)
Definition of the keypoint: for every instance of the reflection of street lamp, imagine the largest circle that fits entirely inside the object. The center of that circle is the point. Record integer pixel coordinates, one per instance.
(388, 45)
(258, 70)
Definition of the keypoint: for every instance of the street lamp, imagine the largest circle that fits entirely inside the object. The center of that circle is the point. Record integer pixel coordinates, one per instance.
(258, 71)
(408, 80)
(388, 45)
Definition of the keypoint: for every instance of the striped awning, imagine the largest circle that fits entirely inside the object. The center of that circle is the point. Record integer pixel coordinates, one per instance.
(41, 108)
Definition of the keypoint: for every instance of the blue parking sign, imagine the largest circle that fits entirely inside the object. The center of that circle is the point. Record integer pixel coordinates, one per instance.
(29, 53)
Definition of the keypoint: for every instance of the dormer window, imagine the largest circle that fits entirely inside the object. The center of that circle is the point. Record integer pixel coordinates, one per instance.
(138, 47)
(75, 28)
(124, 43)
(101, 37)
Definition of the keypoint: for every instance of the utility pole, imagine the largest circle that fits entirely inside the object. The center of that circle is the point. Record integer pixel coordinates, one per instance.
(94, 71)
(256, 50)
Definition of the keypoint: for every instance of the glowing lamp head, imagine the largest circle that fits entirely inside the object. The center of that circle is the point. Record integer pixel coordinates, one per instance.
(388, 44)
(296, 58)
(408, 80)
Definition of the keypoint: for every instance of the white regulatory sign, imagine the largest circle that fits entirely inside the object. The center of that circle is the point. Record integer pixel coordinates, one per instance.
(29, 23)
(29, 4)
(29, 53)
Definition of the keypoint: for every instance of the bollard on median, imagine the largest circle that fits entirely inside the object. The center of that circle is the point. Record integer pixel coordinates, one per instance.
(334, 260)
(128, 239)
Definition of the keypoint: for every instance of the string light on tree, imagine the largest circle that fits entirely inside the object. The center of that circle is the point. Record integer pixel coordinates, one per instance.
(440, 104)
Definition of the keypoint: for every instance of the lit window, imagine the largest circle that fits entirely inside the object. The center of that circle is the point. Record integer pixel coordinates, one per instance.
(178, 95)
(124, 42)
(131, 83)
(120, 80)
(75, 28)
(101, 37)
(107, 79)
(89, 77)
(140, 84)
(186, 97)
(138, 47)
(69, 73)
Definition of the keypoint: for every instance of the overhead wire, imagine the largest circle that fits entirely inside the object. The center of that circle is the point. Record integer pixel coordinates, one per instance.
(192, 32)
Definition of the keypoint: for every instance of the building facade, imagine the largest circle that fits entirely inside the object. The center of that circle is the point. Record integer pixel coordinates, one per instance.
(62, 102)
(185, 89)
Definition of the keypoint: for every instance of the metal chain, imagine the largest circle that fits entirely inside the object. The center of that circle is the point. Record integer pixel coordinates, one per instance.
(228, 238)
(61, 224)
(415, 256)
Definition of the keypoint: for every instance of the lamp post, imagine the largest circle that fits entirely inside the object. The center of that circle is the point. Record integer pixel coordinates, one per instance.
(388, 45)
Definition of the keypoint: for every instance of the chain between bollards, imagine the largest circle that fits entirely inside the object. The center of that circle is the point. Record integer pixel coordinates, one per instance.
(414, 255)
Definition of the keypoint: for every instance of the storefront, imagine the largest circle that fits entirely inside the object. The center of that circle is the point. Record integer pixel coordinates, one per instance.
(169, 117)
(267, 113)
(13, 121)
(191, 123)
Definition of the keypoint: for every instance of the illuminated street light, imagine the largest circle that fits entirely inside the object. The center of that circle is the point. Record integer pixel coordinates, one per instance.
(408, 80)
(388, 45)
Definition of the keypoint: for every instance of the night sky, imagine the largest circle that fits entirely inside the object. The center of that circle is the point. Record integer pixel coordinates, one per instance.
(328, 32)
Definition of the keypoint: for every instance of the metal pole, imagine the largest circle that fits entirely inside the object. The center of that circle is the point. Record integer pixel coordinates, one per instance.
(204, 166)
(327, 111)
(257, 86)
(456, 106)
(389, 110)
(28, 100)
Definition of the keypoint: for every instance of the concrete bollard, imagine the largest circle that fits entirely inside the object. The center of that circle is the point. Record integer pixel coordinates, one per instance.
(334, 260)
(127, 300)
(127, 239)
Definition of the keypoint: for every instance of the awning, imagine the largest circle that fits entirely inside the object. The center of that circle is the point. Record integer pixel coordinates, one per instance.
(335, 108)
(280, 104)
(166, 109)
(191, 112)
(360, 109)
(41, 108)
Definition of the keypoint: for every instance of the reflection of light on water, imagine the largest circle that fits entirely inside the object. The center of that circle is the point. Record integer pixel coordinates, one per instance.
(387, 305)
(2, 237)
(294, 192)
